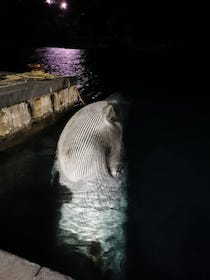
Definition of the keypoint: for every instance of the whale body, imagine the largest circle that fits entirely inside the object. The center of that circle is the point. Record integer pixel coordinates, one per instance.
(90, 164)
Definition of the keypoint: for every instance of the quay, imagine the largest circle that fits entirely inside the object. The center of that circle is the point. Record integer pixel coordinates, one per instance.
(30, 101)
(15, 268)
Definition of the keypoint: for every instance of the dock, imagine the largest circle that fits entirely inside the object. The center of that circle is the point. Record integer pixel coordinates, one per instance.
(32, 99)
(15, 268)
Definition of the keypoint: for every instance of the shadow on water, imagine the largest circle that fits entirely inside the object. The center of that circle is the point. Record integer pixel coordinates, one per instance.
(168, 148)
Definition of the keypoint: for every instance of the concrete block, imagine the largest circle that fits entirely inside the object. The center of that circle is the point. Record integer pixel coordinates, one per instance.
(16, 268)
(41, 106)
(4, 128)
(14, 118)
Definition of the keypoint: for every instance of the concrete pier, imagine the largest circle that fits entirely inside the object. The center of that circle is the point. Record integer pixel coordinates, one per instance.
(15, 268)
(25, 102)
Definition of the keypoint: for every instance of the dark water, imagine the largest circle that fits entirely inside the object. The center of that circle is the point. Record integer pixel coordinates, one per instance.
(167, 141)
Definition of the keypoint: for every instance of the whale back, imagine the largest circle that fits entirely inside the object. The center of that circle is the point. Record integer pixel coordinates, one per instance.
(88, 141)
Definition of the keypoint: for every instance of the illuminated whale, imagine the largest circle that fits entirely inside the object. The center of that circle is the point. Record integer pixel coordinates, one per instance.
(89, 161)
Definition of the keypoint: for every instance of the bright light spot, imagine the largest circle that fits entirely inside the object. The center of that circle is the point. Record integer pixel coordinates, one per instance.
(49, 1)
(63, 5)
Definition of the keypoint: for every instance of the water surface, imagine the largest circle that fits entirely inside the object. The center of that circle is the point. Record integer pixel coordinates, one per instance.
(167, 142)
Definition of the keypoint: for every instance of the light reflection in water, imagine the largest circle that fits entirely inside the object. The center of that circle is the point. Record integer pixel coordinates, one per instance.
(69, 62)
(91, 225)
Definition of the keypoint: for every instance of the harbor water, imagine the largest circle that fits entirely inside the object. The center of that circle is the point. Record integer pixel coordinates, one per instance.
(167, 150)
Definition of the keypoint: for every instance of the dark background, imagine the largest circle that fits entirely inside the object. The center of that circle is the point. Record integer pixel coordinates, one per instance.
(130, 24)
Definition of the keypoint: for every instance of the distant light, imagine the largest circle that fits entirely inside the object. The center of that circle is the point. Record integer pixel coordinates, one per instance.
(63, 5)
(49, 2)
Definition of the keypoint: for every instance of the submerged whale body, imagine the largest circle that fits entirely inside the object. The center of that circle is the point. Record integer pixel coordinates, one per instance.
(90, 165)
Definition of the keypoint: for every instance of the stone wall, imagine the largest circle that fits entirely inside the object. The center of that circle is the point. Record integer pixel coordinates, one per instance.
(20, 116)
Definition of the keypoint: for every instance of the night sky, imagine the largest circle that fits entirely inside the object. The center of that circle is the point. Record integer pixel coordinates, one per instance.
(125, 23)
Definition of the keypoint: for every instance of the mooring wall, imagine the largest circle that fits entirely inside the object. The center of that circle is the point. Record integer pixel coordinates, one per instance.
(22, 104)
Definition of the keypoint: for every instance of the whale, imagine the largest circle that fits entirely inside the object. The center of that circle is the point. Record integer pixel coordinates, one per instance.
(90, 165)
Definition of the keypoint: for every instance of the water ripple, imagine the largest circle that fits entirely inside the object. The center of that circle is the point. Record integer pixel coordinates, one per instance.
(69, 62)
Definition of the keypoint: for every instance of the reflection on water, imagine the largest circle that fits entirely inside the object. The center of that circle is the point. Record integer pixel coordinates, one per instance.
(61, 61)
(69, 62)
(91, 228)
